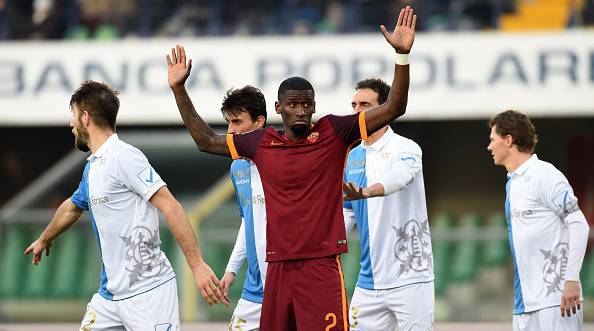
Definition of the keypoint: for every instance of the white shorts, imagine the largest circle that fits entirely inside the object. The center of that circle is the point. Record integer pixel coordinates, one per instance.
(246, 316)
(410, 308)
(548, 319)
(155, 310)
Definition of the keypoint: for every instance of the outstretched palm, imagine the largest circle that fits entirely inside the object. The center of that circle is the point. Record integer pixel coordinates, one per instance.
(403, 36)
(177, 71)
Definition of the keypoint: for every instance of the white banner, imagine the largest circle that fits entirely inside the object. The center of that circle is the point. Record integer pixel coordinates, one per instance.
(453, 76)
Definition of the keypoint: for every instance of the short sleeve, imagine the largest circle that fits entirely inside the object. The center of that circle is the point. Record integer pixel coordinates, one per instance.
(244, 144)
(135, 172)
(349, 128)
(80, 198)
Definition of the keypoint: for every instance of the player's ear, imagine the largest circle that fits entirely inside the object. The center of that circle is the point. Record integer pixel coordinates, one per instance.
(277, 107)
(509, 140)
(85, 117)
(260, 122)
(314, 107)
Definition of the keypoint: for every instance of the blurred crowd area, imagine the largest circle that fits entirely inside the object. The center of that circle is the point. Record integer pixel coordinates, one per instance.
(114, 19)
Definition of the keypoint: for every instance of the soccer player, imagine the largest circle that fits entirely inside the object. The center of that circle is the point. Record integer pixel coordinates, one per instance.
(301, 170)
(244, 110)
(122, 193)
(548, 232)
(395, 285)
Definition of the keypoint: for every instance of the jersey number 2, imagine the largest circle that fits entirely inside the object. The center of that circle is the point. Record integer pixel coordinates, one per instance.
(330, 317)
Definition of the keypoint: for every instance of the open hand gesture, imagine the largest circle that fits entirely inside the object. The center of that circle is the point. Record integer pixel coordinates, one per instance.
(177, 71)
(403, 36)
(37, 248)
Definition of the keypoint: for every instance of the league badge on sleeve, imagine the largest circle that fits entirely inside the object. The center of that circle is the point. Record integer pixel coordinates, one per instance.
(149, 176)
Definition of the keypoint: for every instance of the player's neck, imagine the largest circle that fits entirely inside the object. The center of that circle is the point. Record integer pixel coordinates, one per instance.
(292, 136)
(377, 135)
(516, 160)
(97, 138)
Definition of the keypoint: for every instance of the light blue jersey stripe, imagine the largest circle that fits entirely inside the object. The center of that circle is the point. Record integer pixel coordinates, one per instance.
(253, 288)
(81, 199)
(355, 173)
(518, 298)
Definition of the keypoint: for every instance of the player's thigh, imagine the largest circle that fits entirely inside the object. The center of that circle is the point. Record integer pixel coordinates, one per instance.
(550, 318)
(368, 312)
(246, 316)
(319, 295)
(413, 306)
(277, 310)
(155, 310)
(101, 315)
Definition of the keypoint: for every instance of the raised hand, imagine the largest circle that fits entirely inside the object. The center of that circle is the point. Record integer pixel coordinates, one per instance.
(403, 36)
(177, 70)
(37, 248)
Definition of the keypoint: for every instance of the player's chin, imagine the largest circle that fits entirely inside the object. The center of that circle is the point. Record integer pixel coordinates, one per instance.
(299, 128)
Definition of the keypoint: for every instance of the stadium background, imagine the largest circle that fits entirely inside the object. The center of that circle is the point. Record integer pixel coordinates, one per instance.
(471, 59)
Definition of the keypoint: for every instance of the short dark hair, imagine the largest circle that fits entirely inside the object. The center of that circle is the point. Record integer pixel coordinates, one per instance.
(99, 100)
(376, 85)
(248, 99)
(517, 125)
(295, 84)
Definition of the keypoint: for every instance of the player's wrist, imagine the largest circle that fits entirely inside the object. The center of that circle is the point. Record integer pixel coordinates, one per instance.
(178, 88)
(402, 58)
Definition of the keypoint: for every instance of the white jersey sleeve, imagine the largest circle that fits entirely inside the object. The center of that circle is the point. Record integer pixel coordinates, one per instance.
(349, 219)
(239, 253)
(558, 196)
(135, 173)
(403, 169)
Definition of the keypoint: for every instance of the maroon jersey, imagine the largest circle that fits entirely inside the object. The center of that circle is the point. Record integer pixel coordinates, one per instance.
(302, 182)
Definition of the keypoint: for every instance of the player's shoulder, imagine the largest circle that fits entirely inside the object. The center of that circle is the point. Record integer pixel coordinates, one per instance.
(240, 164)
(123, 152)
(547, 175)
(405, 144)
(546, 169)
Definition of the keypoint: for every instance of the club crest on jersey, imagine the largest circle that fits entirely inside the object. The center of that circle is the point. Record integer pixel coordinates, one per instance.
(413, 246)
(313, 137)
(144, 257)
(554, 267)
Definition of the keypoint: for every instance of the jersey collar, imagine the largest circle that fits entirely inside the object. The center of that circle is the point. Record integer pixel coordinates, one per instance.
(522, 169)
(382, 141)
(104, 148)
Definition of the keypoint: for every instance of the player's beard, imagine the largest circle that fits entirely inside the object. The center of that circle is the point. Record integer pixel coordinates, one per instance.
(81, 139)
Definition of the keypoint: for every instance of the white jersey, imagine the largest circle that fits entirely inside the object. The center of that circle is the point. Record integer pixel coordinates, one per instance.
(117, 183)
(547, 234)
(251, 239)
(394, 230)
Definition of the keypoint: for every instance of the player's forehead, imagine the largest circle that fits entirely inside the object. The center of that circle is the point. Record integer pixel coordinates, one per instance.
(494, 134)
(298, 96)
(365, 95)
(237, 114)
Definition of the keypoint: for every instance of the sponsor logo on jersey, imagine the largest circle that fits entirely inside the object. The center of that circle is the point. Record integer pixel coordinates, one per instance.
(313, 137)
(93, 200)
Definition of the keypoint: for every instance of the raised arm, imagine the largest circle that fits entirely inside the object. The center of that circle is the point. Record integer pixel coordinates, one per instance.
(177, 74)
(66, 215)
(401, 39)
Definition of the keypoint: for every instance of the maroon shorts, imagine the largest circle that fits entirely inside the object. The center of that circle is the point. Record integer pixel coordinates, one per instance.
(305, 295)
